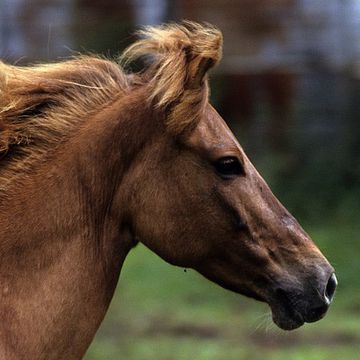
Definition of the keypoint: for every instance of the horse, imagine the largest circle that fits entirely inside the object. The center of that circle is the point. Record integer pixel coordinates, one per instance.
(95, 159)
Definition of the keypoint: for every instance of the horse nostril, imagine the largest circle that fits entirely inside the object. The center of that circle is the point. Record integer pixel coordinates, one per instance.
(330, 288)
(317, 309)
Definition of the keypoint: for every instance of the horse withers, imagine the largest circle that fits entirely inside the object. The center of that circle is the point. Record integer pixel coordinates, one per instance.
(94, 160)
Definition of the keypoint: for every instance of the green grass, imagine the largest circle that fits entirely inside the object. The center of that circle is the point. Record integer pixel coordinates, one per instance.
(161, 312)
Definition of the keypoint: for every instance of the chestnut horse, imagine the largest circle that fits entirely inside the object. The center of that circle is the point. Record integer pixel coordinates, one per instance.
(94, 160)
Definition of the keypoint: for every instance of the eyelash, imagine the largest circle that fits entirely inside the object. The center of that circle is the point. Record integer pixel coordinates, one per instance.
(229, 167)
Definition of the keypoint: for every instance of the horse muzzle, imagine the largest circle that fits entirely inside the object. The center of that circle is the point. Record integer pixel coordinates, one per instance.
(292, 306)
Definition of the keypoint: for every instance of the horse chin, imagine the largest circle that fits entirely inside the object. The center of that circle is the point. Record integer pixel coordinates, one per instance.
(287, 321)
(285, 316)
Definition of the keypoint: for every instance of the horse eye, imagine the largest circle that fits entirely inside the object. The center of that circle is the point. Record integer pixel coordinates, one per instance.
(229, 167)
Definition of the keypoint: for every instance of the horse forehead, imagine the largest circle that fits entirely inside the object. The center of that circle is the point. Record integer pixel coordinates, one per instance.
(212, 132)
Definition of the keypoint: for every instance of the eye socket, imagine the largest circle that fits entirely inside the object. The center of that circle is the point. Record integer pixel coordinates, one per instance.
(229, 167)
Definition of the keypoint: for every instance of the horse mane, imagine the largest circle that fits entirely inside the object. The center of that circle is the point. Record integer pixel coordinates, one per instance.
(41, 105)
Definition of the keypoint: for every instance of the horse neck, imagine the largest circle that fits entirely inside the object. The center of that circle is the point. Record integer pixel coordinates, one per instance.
(63, 242)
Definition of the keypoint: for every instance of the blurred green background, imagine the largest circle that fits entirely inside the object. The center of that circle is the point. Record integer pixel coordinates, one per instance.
(289, 87)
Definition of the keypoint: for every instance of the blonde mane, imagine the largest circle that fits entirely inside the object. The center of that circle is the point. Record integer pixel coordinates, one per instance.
(41, 105)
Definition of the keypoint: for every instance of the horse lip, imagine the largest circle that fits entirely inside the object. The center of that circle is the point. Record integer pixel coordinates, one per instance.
(284, 314)
(287, 323)
(286, 318)
(315, 318)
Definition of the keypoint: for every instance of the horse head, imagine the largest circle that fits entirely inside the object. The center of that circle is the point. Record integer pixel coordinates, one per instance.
(197, 201)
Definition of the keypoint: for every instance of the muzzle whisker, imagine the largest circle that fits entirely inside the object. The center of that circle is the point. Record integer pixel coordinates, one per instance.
(270, 326)
(263, 322)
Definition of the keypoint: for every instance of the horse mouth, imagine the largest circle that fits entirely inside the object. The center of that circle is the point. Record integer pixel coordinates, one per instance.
(286, 318)
(291, 311)
(284, 314)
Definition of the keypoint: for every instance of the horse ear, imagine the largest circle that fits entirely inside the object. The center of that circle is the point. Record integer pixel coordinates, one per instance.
(198, 69)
